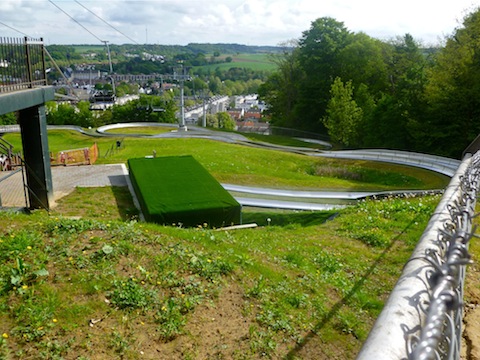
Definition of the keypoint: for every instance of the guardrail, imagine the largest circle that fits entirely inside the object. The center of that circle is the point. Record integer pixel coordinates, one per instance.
(439, 164)
(22, 64)
(423, 316)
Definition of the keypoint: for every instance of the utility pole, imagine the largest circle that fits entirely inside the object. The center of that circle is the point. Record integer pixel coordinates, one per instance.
(109, 56)
(204, 119)
(182, 79)
(182, 105)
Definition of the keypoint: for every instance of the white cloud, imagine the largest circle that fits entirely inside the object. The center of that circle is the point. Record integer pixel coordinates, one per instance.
(256, 22)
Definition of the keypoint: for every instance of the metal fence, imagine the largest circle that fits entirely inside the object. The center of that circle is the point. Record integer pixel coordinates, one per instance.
(22, 64)
(423, 316)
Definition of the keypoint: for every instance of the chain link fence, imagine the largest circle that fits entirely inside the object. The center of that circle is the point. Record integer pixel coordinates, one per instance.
(422, 318)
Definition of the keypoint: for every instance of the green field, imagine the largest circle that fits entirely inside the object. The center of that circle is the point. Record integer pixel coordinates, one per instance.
(257, 62)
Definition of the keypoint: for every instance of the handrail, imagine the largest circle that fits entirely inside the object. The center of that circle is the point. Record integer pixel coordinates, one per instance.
(22, 64)
(423, 316)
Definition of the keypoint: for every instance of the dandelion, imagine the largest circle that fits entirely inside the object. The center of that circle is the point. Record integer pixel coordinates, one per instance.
(55, 320)
(29, 247)
(5, 335)
(25, 287)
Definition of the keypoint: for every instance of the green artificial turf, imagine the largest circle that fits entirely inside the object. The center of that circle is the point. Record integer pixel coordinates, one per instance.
(178, 190)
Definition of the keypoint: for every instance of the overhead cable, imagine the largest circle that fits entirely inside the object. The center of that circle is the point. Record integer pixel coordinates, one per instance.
(59, 8)
(8, 26)
(113, 27)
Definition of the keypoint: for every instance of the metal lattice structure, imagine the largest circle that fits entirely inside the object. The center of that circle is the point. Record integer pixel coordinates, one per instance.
(422, 318)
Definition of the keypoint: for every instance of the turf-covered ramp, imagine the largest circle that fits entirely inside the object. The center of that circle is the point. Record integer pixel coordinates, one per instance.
(177, 189)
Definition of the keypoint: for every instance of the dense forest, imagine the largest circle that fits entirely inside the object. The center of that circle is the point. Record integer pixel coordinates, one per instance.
(370, 93)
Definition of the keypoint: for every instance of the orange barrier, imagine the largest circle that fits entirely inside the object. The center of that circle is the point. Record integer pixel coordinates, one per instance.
(85, 156)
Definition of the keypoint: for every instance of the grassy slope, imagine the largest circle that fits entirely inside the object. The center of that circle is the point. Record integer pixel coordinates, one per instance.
(300, 290)
(296, 287)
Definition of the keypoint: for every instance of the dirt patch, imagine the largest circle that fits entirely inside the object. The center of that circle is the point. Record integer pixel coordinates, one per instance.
(471, 319)
(217, 330)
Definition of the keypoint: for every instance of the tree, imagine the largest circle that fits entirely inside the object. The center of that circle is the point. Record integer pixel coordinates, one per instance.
(84, 117)
(225, 121)
(220, 120)
(60, 114)
(212, 121)
(401, 106)
(8, 119)
(282, 88)
(343, 115)
(453, 91)
(363, 62)
(319, 59)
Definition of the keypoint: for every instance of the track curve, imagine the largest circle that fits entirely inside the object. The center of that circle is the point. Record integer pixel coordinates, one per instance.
(288, 199)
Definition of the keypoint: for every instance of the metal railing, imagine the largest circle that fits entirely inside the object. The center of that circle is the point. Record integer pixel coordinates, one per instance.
(423, 316)
(22, 64)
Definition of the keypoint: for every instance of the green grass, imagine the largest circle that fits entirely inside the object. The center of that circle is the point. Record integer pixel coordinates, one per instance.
(243, 165)
(297, 287)
(82, 49)
(257, 62)
(283, 140)
(87, 280)
(142, 130)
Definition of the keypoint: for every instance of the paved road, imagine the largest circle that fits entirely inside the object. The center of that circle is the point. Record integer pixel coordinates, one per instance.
(65, 179)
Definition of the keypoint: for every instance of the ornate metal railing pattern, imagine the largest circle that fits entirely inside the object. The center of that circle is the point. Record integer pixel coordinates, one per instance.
(22, 64)
(422, 320)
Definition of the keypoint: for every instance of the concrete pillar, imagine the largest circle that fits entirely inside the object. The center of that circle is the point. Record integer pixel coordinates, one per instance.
(33, 126)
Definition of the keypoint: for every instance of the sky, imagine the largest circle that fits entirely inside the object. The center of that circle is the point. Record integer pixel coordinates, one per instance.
(248, 22)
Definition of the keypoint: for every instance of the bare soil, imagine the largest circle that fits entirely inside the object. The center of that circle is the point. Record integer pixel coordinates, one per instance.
(471, 320)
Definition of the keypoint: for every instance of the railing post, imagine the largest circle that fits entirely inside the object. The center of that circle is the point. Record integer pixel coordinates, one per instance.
(42, 55)
(28, 64)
